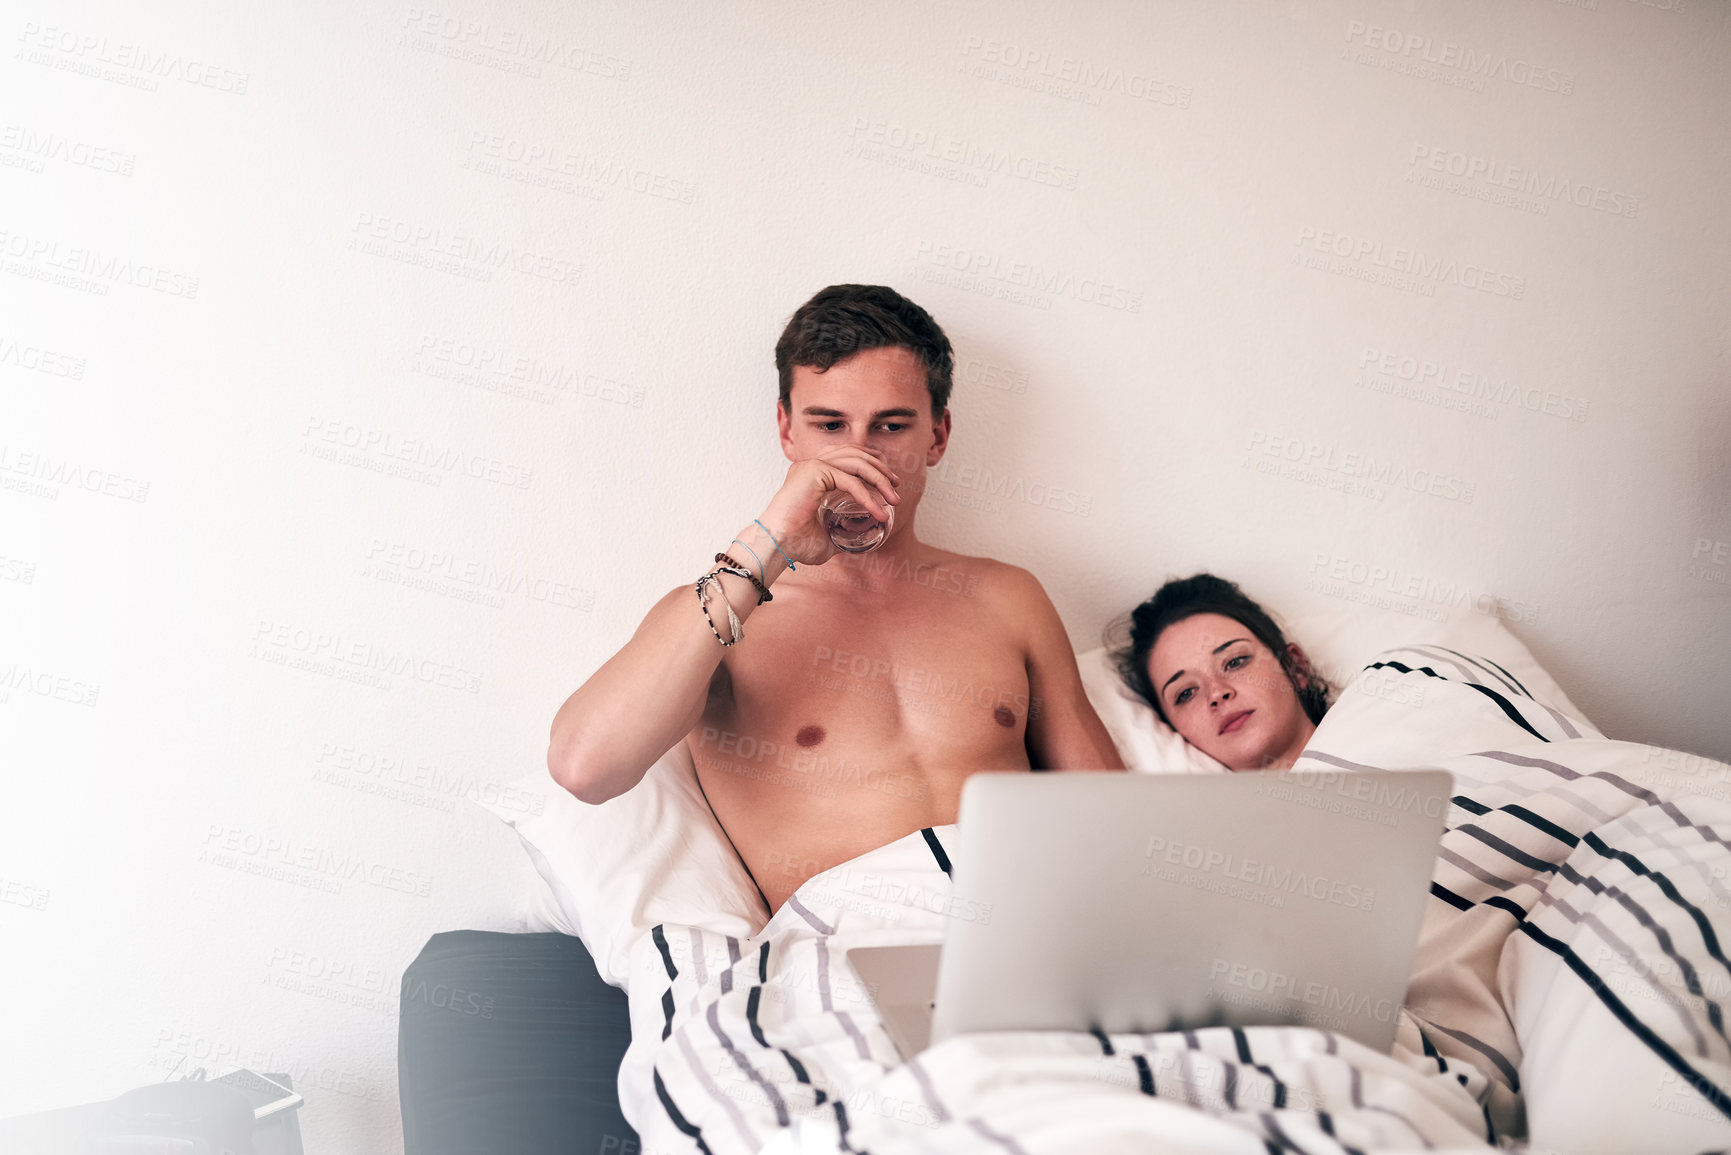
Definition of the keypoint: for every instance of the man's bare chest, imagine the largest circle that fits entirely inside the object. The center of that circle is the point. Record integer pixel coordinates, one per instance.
(933, 663)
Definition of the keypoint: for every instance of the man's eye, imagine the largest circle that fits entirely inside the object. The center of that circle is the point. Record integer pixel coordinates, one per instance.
(1183, 695)
(893, 426)
(829, 426)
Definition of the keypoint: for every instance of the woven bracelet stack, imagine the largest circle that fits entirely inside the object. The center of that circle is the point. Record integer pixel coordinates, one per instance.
(725, 563)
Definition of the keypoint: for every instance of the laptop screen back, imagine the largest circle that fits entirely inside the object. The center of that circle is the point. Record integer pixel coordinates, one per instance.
(1139, 902)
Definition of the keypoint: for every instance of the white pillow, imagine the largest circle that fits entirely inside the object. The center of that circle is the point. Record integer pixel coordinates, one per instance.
(654, 854)
(1143, 740)
(1339, 643)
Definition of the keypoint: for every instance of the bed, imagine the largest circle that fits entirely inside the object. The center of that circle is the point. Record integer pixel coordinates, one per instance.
(1568, 993)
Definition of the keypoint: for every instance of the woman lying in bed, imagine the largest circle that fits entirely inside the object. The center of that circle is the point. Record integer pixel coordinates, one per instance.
(1216, 668)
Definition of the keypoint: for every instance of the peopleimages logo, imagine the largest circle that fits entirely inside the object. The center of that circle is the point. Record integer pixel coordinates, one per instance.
(1011, 487)
(1258, 873)
(1365, 468)
(936, 145)
(222, 845)
(35, 148)
(379, 234)
(41, 360)
(54, 472)
(1023, 275)
(101, 267)
(1399, 259)
(496, 369)
(519, 45)
(287, 644)
(47, 684)
(919, 680)
(1499, 174)
(22, 894)
(1083, 75)
(360, 768)
(976, 371)
(351, 444)
(86, 53)
(468, 579)
(1276, 985)
(766, 760)
(1373, 578)
(1369, 790)
(1448, 54)
(557, 160)
(23, 571)
(1469, 384)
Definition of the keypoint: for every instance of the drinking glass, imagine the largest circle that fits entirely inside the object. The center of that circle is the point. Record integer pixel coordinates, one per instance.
(852, 527)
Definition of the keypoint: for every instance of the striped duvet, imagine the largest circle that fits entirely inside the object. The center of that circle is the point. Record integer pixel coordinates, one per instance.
(1569, 993)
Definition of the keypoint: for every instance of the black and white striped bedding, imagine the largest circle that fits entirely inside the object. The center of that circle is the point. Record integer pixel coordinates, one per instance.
(1575, 947)
(1569, 993)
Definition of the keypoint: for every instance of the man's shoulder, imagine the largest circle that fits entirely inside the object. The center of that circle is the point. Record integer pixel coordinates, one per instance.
(996, 579)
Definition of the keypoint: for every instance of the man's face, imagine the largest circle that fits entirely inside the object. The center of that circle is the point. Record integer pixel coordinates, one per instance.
(877, 399)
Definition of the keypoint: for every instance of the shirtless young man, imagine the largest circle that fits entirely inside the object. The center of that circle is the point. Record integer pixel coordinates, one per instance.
(855, 708)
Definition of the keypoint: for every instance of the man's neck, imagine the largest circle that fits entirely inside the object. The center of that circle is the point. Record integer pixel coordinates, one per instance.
(888, 570)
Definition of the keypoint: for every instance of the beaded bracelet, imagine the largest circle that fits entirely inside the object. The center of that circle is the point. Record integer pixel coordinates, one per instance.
(738, 570)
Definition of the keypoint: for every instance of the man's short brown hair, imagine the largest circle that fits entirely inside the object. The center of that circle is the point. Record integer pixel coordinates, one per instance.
(846, 319)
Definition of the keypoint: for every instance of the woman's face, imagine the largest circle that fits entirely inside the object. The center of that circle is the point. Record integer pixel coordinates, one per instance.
(1227, 694)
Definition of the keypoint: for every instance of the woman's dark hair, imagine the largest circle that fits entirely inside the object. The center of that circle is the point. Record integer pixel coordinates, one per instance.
(1205, 594)
(846, 319)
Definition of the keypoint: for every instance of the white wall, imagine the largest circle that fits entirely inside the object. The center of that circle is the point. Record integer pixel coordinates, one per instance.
(254, 262)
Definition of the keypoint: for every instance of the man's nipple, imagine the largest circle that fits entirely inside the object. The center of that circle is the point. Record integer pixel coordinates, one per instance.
(809, 735)
(1004, 716)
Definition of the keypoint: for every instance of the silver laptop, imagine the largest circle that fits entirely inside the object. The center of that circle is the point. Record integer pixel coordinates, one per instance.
(1130, 903)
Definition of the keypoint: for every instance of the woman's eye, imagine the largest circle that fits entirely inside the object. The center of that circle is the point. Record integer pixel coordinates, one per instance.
(1236, 660)
(1183, 695)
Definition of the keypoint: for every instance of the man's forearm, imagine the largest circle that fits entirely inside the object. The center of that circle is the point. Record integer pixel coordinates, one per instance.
(651, 693)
